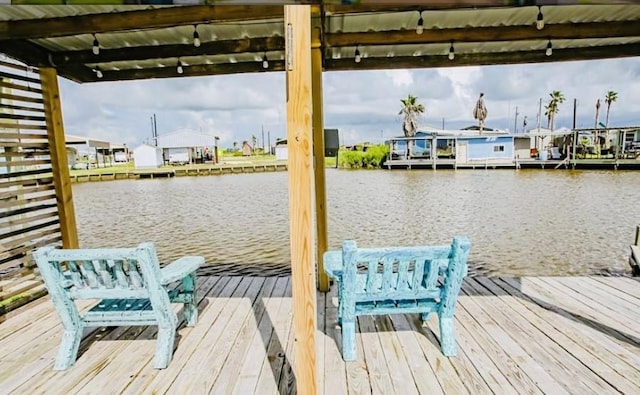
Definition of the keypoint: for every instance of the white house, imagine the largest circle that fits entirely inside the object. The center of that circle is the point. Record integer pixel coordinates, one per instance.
(282, 151)
(147, 157)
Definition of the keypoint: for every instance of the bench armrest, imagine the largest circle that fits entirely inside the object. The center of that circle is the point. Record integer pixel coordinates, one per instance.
(180, 268)
(333, 263)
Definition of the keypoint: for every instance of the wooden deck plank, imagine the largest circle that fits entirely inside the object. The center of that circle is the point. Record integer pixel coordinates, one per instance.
(423, 375)
(631, 286)
(250, 370)
(226, 379)
(503, 366)
(136, 350)
(335, 371)
(269, 376)
(514, 336)
(506, 340)
(208, 312)
(563, 366)
(599, 357)
(607, 297)
(321, 312)
(374, 357)
(401, 377)
(224, 331)
(565, 296)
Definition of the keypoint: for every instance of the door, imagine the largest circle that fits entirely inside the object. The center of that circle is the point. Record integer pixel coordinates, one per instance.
(461, 152)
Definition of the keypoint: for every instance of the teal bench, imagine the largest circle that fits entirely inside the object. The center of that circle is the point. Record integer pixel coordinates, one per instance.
(133, 289)
(398, 280)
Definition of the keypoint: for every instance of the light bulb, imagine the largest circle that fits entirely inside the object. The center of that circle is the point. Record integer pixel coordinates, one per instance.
(96, 46)
(196, 37)
(452, 53)
(420, 27)
(540, 19)
(265, 62)
(98, 73)
(549, 50)
(358, 58)
(179, 69)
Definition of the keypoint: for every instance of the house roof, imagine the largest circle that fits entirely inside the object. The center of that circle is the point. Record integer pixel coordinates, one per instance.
(137, 42)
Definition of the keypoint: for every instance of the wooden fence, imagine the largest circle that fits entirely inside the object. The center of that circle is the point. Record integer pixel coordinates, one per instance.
(29, 216)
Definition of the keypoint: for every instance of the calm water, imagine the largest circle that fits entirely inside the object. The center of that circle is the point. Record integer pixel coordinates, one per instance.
(527, 222)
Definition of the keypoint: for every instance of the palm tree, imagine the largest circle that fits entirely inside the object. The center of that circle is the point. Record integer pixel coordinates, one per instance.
(254, 141)
(235, 146)
(552, 108)
(410, 111)
(609, 98)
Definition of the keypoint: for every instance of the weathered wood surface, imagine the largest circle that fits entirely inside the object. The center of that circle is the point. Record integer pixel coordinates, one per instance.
(132, 285)
(398, 280)
(515, 335)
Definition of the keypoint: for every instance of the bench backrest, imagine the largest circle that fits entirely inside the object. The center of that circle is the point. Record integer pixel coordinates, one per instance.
(118, 273)
(405, 272)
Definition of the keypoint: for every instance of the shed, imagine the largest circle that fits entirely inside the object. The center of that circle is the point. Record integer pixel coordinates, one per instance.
(147, 157)
(282, 150)
(247, 150)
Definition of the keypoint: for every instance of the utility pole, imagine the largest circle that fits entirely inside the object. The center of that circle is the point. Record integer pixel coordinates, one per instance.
(263, 147)
(515, 123)
(269, 140)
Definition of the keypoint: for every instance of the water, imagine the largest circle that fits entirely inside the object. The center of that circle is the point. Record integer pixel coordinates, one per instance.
(527, 222)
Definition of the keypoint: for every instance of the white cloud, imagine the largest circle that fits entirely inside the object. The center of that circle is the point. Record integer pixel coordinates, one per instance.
(362, 105)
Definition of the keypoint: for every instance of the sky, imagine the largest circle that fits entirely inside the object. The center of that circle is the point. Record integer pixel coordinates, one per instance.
(362, 105)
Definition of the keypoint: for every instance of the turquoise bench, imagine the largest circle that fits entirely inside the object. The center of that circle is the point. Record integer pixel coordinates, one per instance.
(398, 280)
(133, 289)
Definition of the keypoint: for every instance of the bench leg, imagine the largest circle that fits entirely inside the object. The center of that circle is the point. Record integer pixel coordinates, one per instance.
(191, 307)
(164, 348)
(68, 352)
(447, 336)
(424, 317)
(349, 340)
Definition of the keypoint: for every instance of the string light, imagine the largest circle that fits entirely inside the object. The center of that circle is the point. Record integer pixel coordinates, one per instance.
(420, 27)
(452, 52)
(98, 72)
(179, 68)
(265, 61)
(196, 36)
(358, 58)
(549, 50)
(540, 19)
(96, 45)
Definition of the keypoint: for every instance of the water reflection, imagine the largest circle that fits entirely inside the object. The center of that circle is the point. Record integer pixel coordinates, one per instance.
(527, 222)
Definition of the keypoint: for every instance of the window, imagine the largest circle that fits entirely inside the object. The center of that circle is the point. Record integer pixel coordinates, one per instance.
(498, 148)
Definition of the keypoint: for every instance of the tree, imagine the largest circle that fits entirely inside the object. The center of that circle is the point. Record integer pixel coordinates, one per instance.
(609, 98)
(235, 146)
(410, 111)
(557, 98)
(254, 141)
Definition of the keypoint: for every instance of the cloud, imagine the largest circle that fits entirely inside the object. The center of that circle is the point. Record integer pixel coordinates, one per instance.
(363, 105)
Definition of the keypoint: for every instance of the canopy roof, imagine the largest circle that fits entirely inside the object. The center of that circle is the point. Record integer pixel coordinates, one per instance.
(138, 42)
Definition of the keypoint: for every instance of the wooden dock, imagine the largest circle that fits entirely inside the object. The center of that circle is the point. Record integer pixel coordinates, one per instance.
(421, 163)
(515, 335)
(195, 170)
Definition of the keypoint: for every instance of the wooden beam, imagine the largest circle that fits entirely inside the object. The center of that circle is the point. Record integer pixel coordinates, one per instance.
(257, 44)
(60, 167)
(154, 18)
(188, 71)
(37, 56)
(404, 6)
(318, 151)
(574, 31)
(484, 59)
(299, 137)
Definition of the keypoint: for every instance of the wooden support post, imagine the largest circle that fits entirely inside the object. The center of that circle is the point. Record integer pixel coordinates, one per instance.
(59, 163)
(318, 148)
(299, 137)
(637, 241)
